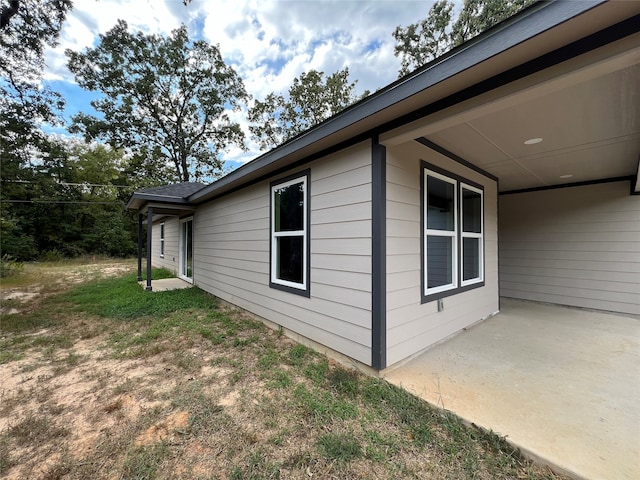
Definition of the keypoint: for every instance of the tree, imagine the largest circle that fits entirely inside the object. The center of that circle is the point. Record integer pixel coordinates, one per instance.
(27, 27)
(166, 99)
(69, 202)
(421, 42)
(312, 98)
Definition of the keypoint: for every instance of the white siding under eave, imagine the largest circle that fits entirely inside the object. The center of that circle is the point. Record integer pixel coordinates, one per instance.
(577, 246)
(231, 255)
(171, 244)
(412, 326)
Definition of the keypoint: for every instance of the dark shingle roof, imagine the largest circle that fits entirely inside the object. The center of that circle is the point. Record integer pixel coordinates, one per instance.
(175, 193)
(180, 190)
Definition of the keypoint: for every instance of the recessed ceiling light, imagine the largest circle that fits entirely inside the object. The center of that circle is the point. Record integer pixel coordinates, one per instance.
(566, 176)
(532, 141)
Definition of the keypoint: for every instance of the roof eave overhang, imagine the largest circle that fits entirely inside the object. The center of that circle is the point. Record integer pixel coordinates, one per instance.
(139, 200)
(167, 209)
(527, 36)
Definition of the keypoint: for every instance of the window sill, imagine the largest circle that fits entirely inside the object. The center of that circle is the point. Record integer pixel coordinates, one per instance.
(432, 297)
(296, 291)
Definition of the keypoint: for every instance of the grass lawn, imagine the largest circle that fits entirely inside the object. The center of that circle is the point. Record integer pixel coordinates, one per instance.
(101, 379)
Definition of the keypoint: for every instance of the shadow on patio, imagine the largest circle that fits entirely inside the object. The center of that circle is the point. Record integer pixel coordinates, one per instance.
(563, 384)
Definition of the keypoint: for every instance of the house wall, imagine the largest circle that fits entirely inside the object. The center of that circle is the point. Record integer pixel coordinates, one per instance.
(576, 246)
(412, 326)
(232, 254)
(171, 244)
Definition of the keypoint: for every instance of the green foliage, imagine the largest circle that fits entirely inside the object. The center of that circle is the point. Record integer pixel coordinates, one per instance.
(67, 205)
(414, 414)
(439, 32)
(166, 99)
(341, 447)
(317, 371)
(312, 98)
(28, 27)
(281, 379)
(321, 406)
(123, 299)
(255, 467)
(142, 463)
(345, 382)
(269, 359)
(9, 266)
(297, 354)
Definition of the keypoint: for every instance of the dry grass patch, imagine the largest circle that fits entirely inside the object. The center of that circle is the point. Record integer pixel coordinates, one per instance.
(125, 384)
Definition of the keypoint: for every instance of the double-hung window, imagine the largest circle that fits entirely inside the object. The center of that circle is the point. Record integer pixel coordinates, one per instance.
(441, 235)
(290, 234)
(162, 239)
(472, 236)
(452, 236)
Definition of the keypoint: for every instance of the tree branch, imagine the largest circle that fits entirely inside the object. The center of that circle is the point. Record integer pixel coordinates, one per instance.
(8, 12)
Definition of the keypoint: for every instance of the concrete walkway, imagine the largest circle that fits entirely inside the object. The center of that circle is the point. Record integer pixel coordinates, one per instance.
(167, 284)
(563, 384)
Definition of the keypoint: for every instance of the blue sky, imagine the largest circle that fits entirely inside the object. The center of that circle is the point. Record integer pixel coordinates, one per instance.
(269, 43)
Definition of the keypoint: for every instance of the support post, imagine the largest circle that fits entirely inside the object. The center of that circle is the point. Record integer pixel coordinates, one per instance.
(139, 247)
(378, 255)
(149, 235)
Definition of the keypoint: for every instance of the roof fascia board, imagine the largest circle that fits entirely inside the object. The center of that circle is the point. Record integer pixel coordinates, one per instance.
(167, 209)
(539, 18)
(162, 198)
(138, 199)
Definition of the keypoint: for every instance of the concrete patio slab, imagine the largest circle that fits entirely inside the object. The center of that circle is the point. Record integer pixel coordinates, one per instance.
(167, 284)
(562, 384)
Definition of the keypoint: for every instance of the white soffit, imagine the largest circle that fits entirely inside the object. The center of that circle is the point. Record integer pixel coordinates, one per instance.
(587, 112)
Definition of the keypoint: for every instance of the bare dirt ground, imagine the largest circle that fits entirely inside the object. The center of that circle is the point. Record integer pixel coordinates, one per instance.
(47, 278)
(204, 392)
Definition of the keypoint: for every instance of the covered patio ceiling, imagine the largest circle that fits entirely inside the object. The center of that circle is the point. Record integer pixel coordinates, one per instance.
(576, 122)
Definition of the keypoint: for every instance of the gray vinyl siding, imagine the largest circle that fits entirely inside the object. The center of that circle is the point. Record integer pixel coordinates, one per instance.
(577, 246)
(171, 244)
(231, 255)
(411, 325)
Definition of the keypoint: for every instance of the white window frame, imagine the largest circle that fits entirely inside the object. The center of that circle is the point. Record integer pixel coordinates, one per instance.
(451, 234)
(182, 252)
(275, 281)
(457, 236)
(479, 236)
(162, 229)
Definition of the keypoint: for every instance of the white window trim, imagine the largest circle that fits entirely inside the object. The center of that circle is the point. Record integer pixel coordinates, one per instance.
(162, 233)
(458, 285)
(181, 259)
(291, 233)
(452, 234)
(480, 236)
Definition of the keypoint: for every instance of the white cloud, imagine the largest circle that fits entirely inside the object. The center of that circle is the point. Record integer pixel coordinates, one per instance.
(88, 19)
(255, 36)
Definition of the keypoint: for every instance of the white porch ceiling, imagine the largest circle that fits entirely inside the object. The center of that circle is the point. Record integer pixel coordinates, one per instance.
(588, 116)
(590, 131)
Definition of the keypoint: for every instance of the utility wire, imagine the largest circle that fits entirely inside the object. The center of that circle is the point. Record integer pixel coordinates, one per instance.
(72, 184)
(60, 202)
